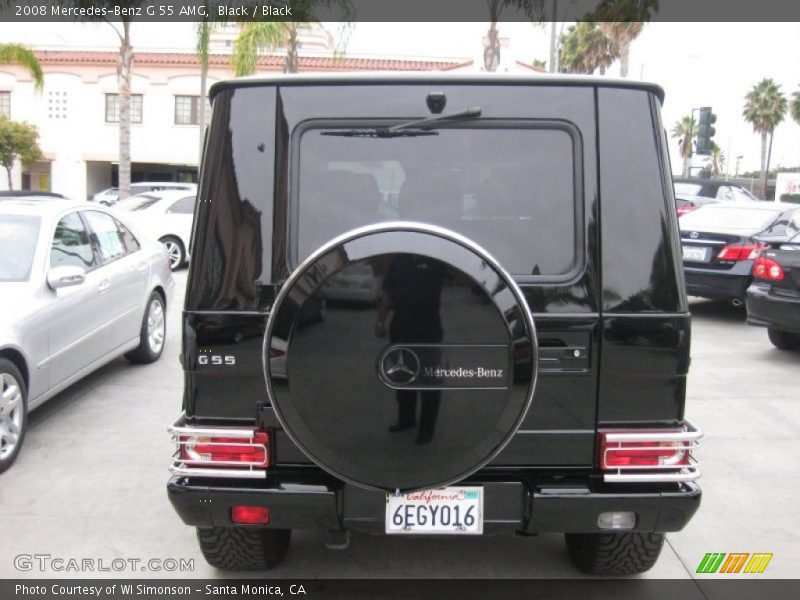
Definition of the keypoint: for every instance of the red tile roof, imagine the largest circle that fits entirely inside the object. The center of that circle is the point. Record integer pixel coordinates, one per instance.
(271, 62)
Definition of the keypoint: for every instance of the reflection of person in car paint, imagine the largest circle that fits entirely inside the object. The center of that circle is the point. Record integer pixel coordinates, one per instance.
(412, 289)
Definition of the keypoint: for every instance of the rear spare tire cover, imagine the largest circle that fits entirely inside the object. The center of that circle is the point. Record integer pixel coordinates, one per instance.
(454, 365)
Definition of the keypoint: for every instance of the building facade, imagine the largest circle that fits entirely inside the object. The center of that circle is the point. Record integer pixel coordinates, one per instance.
(77, 113)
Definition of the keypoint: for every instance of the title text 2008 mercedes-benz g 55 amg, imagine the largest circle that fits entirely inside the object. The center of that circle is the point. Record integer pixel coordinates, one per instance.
(435, 306)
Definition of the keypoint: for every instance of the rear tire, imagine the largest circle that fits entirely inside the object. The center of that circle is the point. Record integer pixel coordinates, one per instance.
(614, 553)
(153, 333)
(784, 340)
(13, 412)
(175, 250)
(242, 548)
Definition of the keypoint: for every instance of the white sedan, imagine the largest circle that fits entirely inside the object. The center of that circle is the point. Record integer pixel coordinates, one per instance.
(165, 216)
(78, 288)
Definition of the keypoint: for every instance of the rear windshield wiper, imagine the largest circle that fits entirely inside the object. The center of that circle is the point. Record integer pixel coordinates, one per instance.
(410, 128)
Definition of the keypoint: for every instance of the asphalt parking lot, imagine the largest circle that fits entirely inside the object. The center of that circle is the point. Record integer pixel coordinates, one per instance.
(90, 480)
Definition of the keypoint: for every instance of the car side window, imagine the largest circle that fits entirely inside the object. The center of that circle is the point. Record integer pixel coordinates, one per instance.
(724, 193)
(71, 246)
(794, 223)
(128, 239)
(107, 236)
(184, 206)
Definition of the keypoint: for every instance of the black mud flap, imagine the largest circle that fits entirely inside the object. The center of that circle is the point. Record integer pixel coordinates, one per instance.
(400, 357)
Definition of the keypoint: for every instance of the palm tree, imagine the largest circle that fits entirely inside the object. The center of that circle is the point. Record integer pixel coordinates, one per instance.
(585, 48)
(272, 34)
(491, 53)
(622, 21)
(795, 106)
(716, 160)
(765, 107)
(253, 36)
(203, 30)
(24, 57)
(684, 130)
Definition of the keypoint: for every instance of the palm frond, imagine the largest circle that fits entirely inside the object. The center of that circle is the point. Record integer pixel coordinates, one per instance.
(25, 57)
(253, 37)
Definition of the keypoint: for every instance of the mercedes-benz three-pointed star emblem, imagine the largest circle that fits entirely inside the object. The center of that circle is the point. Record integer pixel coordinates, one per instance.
(400, 366)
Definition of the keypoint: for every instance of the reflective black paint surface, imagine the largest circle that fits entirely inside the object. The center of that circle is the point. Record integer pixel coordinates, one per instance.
(433, 393)
(244, 222)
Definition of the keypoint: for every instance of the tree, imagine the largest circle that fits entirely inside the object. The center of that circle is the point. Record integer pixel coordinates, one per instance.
(684, 130)
(127, 9)
(24, 57)
(17, 141)
(716, 160)
(272, 34)
(765, 107)
(532, 9)
(585, 48)
(203, 31)
(795, 106)
(622, 21)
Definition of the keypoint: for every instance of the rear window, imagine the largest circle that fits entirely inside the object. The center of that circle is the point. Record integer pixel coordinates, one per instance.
(509, 187)
(728, 218)
(140, 202)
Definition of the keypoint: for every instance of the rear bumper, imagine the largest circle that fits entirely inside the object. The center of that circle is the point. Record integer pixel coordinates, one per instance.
(513, 502)
(719, 285)
(767, 310)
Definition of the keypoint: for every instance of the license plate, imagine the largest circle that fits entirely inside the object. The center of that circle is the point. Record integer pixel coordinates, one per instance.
(696, 253)
(449, 511)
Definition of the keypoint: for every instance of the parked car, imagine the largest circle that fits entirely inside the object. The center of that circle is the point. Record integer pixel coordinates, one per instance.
(78, 288)
(110, 196)
(721, 242)
(692, 193)
(165, 216)
(336, 424)
(773, 301)
(354, 284)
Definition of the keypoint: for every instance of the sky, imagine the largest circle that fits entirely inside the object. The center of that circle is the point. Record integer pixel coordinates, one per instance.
(698, 64)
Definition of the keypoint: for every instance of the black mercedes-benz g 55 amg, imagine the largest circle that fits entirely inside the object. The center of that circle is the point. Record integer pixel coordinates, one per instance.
(507, 347)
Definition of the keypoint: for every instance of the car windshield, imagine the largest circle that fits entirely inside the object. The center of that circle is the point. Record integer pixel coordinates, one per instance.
(712, 218)
(18, 236)
(686, 189)
(140, 202)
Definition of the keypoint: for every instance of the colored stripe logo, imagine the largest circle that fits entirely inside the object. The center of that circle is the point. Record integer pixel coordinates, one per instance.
(734, 562)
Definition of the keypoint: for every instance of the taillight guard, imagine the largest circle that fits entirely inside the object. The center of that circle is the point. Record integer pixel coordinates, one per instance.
(235, 452)
(641, 455)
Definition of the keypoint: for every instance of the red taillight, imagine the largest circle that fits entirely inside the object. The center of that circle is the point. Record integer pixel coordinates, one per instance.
(687, 208)
(744, 252)
(250, 515)
(226, 451)
(766, 268)
(641, 452)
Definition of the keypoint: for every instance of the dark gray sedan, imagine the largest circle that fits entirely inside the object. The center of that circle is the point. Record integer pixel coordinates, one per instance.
(78, 288)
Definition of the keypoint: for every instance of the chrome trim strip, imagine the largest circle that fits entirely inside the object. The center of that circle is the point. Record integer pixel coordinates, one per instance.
(703, 241)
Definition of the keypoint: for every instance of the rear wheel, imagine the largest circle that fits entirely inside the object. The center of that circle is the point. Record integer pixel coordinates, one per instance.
(152, 334)
(13, 412)
(614, 553)
(783, 339)
(175, 250)
(243, 549)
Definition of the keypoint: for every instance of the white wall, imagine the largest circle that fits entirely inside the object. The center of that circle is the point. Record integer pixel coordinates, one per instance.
(83, 135)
